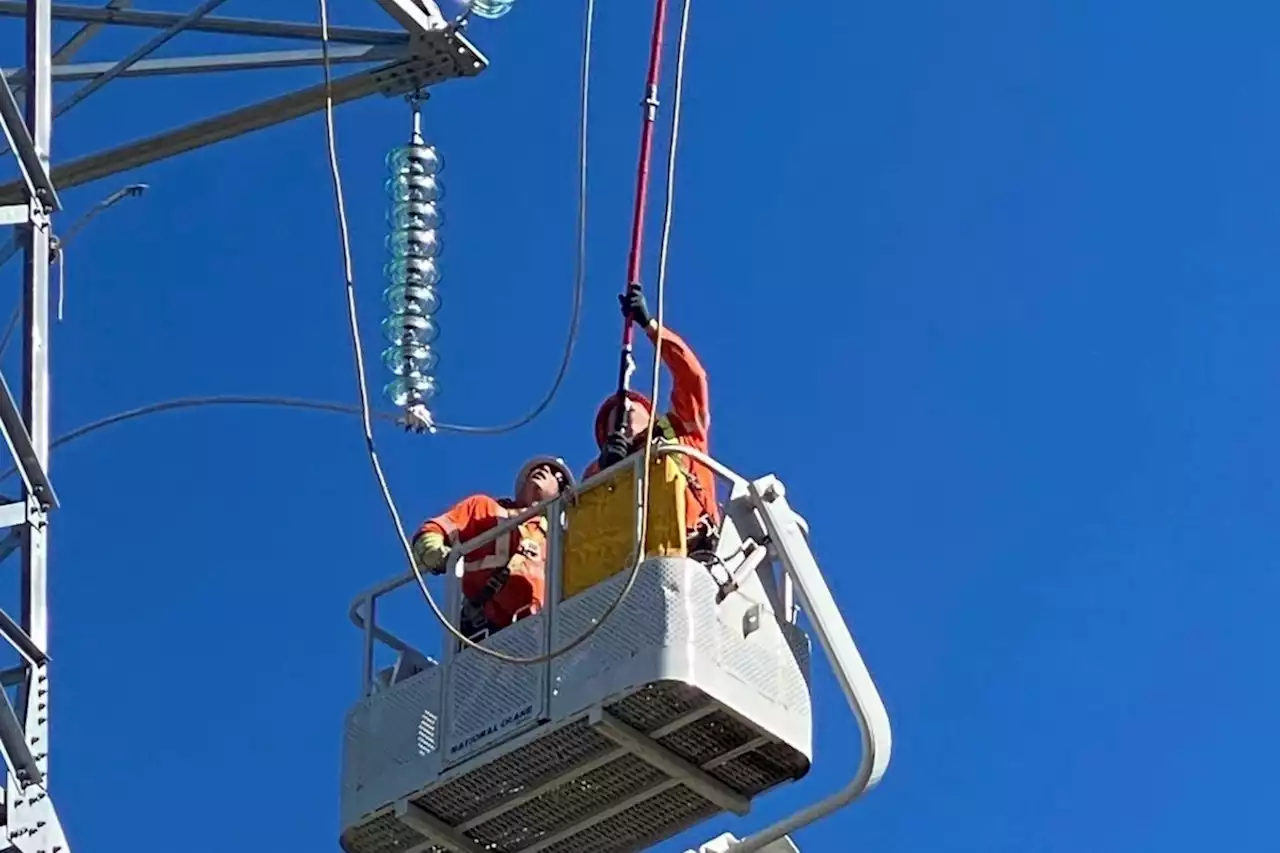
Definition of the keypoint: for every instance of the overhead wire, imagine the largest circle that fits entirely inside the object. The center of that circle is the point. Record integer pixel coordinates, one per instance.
(580, 260)
(200, 402)
(353, 319)
(132, 190)
(366, 415)
(642, 517)
(365, 410)
(214, 400)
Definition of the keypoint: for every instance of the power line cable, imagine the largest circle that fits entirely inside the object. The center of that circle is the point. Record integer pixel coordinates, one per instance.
(368, 415)
(580, 261)
(201, 402)
(132, 190)
(393, 511)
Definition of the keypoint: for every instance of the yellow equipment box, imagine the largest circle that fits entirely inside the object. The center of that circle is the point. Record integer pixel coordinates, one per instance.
(600, 529)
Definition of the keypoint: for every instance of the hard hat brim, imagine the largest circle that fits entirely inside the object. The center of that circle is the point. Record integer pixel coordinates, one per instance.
(554, 461)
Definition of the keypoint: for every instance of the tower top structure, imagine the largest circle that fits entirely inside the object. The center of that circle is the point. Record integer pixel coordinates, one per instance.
(423, 49)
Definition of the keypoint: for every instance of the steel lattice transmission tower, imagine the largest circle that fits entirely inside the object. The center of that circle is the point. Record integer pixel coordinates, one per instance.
(426, 49)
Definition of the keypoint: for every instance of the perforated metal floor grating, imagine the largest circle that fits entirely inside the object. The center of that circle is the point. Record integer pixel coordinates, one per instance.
(575, 791)
(543, 759)
(656, 705)
(656, 818)
(384, 834)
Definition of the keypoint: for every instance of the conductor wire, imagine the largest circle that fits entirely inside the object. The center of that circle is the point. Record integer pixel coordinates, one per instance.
(365, 410)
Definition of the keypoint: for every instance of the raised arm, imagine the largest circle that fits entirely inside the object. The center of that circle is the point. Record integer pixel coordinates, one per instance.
(690, 393)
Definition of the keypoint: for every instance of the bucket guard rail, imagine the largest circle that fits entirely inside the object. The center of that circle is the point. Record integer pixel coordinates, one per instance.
(759, 508)
(366, 602)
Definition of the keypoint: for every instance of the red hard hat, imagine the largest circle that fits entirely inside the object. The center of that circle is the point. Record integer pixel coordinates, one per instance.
(606, 410)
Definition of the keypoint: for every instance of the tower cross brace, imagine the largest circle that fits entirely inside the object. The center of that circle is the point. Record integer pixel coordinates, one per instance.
(426, 48)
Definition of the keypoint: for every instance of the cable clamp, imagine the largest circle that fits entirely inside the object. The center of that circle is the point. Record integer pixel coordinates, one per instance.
(418, 420)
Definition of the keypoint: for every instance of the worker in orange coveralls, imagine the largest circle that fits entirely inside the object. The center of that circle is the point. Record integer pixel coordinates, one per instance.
(506, 579)
(688, 422)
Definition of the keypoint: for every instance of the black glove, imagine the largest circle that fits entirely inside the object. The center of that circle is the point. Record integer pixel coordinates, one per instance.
(616, 448)
(472, 620)
(634, 306)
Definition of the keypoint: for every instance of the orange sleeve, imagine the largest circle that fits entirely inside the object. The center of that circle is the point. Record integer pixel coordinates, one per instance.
(463, 521)
(690, 395)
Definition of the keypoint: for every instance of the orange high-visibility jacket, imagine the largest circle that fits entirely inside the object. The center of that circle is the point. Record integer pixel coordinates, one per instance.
(523, 552)
(688, 422)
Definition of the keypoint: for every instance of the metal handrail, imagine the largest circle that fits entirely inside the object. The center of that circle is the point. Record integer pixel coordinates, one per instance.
(720, 468)
(828, 623)
(842, 653)
(368, 598)
(851, 672)
(392, 584)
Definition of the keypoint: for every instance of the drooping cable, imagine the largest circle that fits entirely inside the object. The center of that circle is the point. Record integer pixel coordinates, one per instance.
(200, 402)
(366, 413)
(580, 260)
(59, 252)
(366, 416)
(212, 400)
(130, 191)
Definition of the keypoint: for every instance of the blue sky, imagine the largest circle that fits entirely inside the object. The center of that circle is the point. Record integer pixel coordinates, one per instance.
(990, 286)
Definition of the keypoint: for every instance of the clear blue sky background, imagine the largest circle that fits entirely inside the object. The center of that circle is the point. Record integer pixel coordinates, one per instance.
(991, 286)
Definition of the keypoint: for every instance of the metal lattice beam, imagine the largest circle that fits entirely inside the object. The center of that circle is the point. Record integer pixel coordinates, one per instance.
(230, 26)
(82, 36)
(151, 46)
(416, 16)
(427, 50)
(258, 61)
(202, 133)
(34, 168)
(14, 742)
(69, 48)
(23, 448)
(26, 646)
(451, 56)
(30, 819)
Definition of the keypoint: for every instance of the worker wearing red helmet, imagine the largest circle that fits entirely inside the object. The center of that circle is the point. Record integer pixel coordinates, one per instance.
(688, 422)
(506, 579)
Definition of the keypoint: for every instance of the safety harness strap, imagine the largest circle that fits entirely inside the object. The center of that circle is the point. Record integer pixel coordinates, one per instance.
(473, 618)
(667, 432)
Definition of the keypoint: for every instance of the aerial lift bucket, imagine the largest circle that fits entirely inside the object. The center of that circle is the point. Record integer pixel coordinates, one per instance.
(691, 699)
